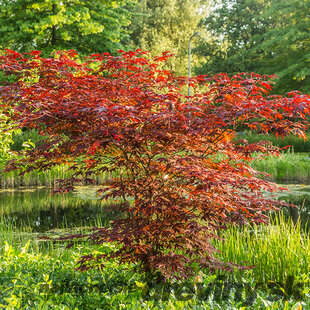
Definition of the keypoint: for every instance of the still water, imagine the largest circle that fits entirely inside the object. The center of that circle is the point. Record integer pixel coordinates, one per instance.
(298, 195)
(37, 209)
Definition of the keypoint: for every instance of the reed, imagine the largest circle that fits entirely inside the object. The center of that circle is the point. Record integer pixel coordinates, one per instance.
(17, 236)
(290, 167)
(278, 251)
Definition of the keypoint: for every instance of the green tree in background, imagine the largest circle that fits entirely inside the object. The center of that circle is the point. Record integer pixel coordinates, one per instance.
(232, 27)
(167, 25)
(265, 36)
(87, 26)
(285, 48)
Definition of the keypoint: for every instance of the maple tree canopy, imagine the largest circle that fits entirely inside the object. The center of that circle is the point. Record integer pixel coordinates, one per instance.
(179, 168)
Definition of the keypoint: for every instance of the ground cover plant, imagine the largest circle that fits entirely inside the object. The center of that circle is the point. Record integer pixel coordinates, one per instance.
(182, 176)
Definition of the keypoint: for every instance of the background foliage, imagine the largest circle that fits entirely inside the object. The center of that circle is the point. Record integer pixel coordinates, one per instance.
(264, 36)
(166, 25)
(87, 26)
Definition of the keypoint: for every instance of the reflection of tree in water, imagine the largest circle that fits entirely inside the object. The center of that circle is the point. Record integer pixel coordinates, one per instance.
(41, 211)
(294, 213)
(301, 212)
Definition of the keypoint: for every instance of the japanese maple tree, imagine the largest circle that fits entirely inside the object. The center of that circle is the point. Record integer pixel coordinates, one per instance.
(179, 168)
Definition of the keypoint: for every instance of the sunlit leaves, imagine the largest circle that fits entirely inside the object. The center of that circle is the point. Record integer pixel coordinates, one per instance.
(88, 26)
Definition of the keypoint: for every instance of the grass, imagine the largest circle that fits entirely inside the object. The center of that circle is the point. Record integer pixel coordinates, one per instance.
(292, 167)
(46, 178)
(288, 168)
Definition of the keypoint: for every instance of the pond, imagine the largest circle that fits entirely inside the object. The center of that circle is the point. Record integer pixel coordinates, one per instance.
(37, 209)
(298, 195)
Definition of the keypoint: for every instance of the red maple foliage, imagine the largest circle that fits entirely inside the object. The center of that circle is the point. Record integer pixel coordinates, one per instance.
(180, 170)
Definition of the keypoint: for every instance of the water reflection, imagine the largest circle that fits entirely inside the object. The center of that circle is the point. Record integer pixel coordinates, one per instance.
(38, 209)
(298, 195)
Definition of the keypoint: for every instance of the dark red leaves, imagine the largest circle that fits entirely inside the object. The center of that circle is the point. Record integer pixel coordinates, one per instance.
(175, 162)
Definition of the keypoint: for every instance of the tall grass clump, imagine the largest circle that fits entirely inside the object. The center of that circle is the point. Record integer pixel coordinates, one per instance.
(278, 251)
(17, 236)
(290, 167)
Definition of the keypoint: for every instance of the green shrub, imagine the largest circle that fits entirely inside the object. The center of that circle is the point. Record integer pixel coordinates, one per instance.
(26, 135)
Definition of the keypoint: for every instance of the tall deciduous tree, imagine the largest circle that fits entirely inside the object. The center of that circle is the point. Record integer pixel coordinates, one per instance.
(181, 174)
(268, 37)
(167, 25)
(87, 26)
(285, 48)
